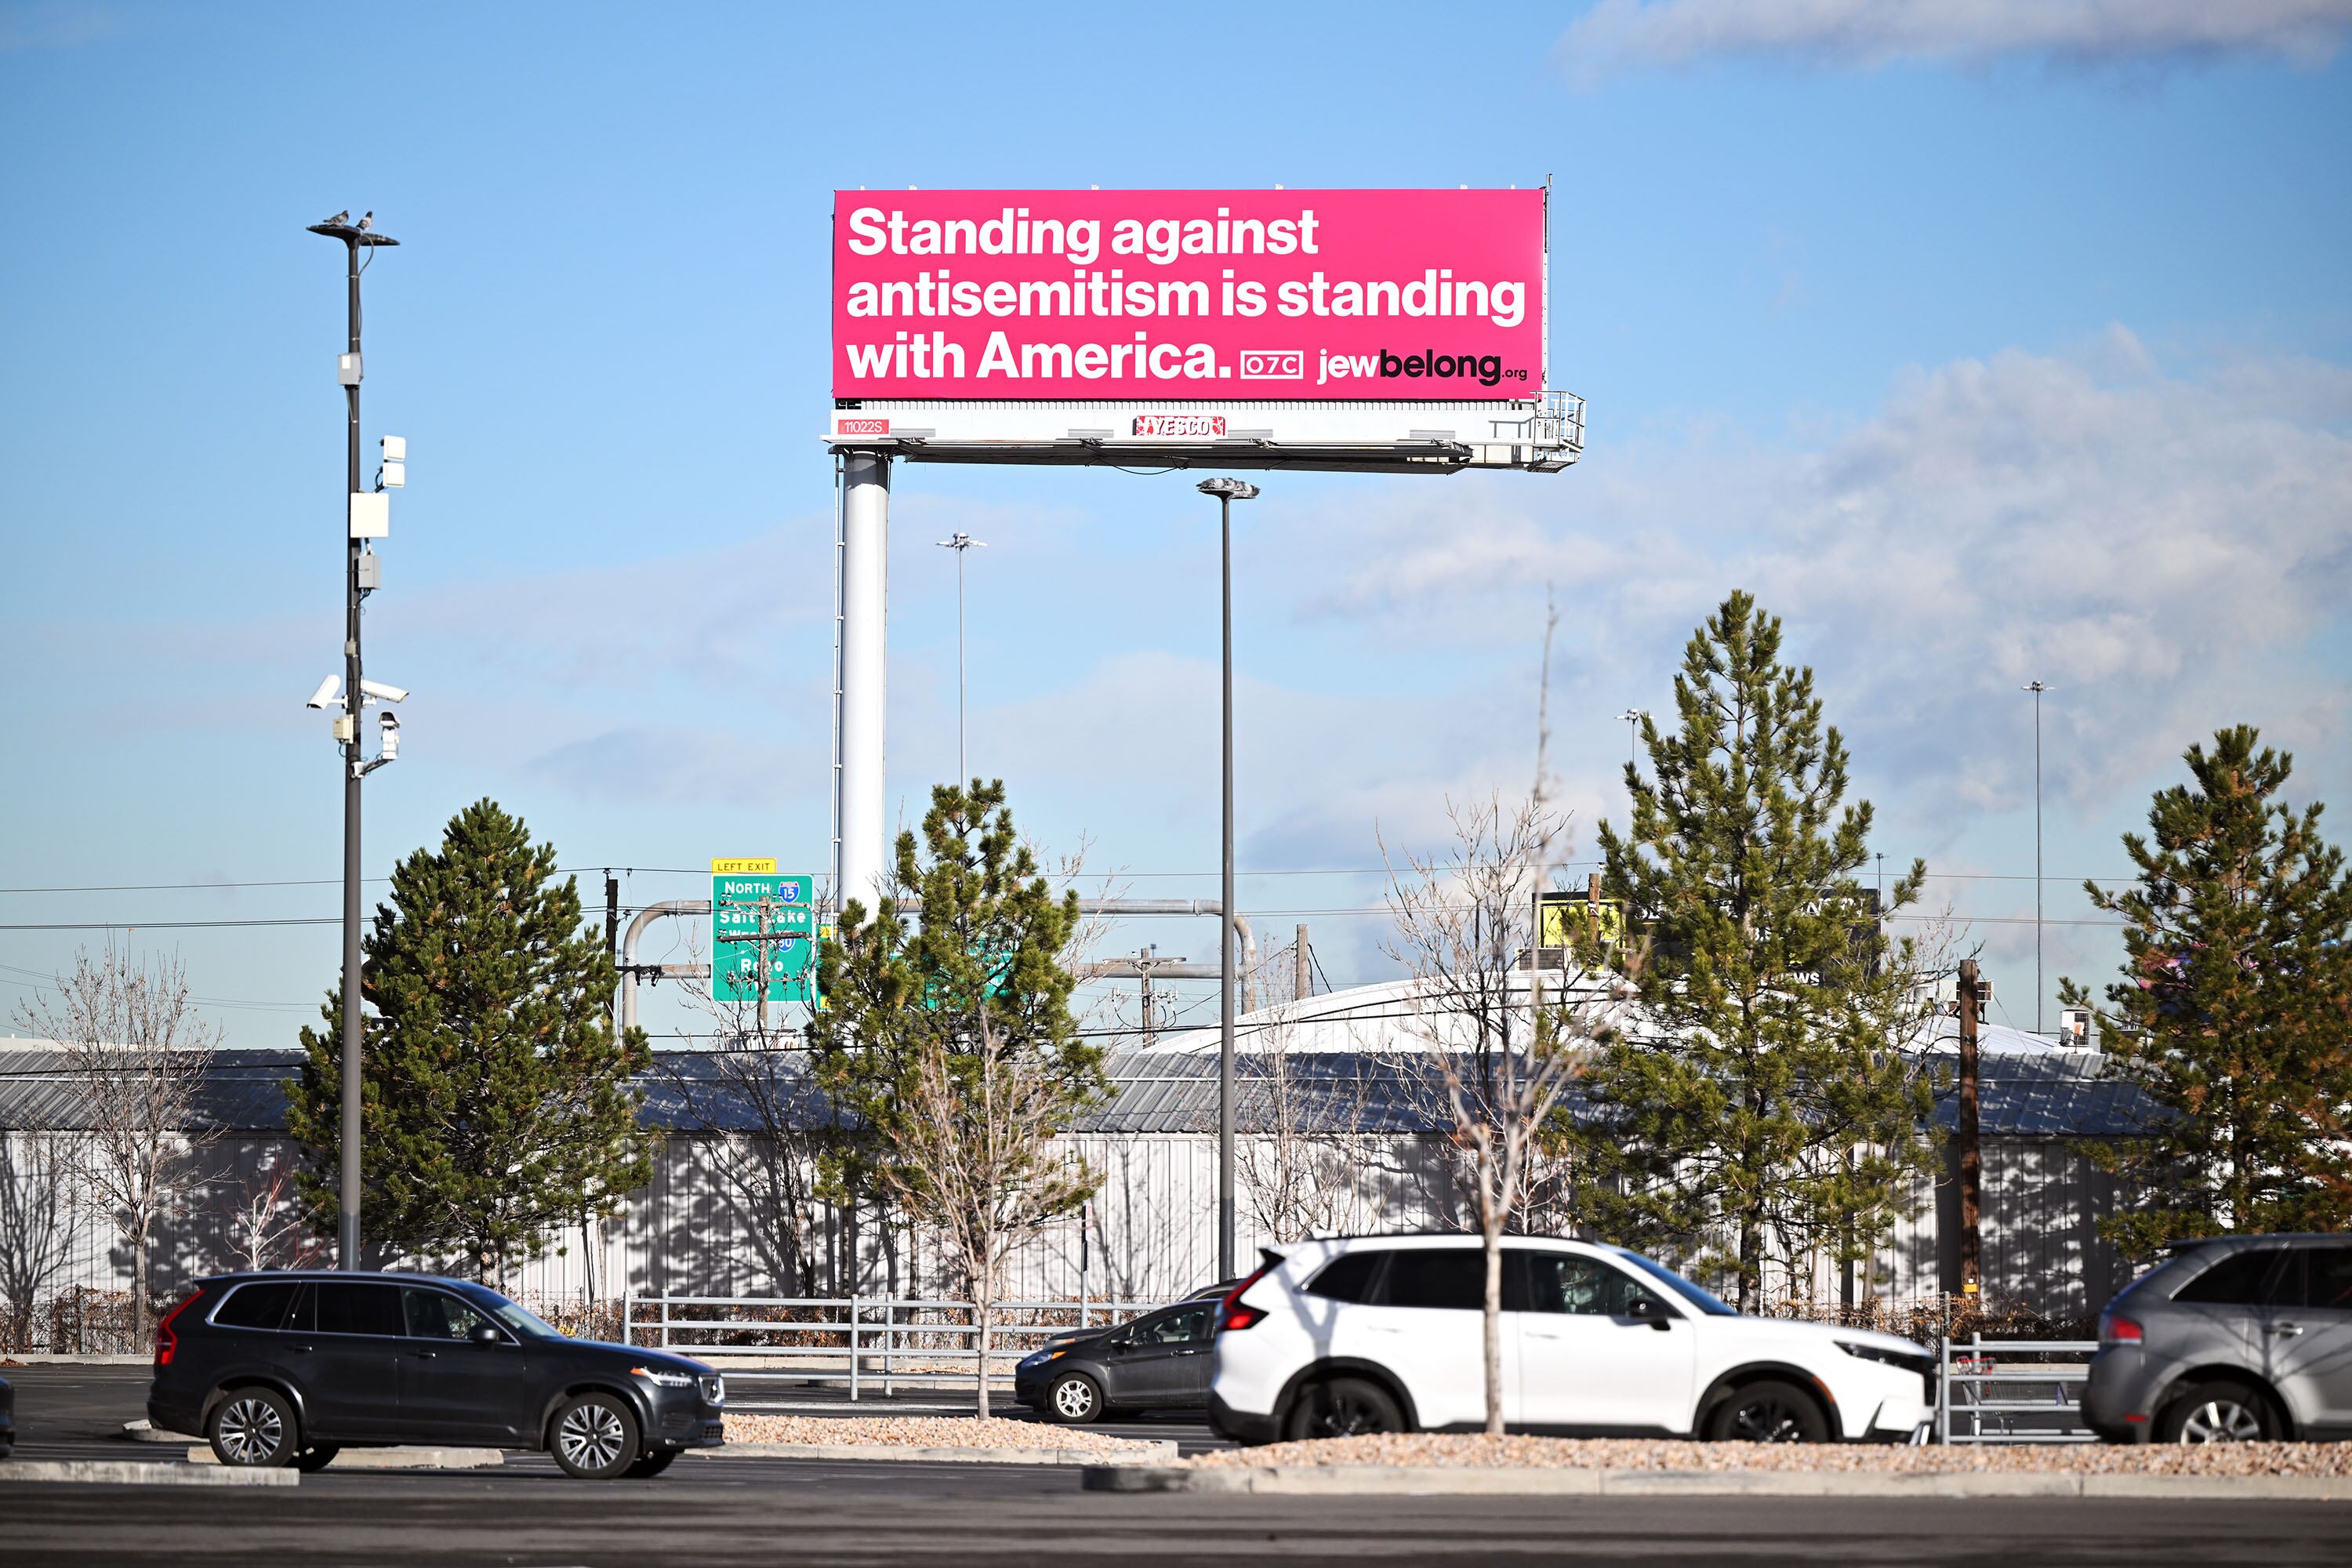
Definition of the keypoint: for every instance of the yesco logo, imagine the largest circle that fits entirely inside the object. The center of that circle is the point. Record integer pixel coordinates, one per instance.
(861, 428)
(1274, 364)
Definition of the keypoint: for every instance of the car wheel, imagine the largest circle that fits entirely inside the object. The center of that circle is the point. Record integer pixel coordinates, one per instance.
(2217, 1413)
(652, 1465)
(1343, 1407)
(252, 1428)
(1768, 1412)
(1074, 1399)
(311, 1460)
(595, 1436)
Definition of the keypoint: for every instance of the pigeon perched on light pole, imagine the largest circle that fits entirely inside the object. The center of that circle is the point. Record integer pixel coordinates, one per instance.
(368, 220)
(342, 216)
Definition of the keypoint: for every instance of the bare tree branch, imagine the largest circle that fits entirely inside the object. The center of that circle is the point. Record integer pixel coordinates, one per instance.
(135, 1051)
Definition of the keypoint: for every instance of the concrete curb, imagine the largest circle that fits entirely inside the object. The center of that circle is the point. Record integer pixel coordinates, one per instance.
(139, 1473)
(942, 1454)
(1431, 1480)
(145, 1431)
(389, 1458)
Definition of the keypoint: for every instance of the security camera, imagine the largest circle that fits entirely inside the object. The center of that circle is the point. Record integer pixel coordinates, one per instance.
(325, 696)
(378, 690)
(389, 723)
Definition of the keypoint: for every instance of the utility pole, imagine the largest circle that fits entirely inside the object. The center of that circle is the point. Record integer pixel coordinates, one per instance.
(2036, 687)
(355, 237)
(1227, 491)
(760, 967)
(959, 543)
(1302, 981)
(1971, 1142)
(1146, 961)
(611, 932)
(1632, 717)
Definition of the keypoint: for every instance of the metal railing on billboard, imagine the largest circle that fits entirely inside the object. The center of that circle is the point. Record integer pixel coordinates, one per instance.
(857, 1341)
(1560, 420)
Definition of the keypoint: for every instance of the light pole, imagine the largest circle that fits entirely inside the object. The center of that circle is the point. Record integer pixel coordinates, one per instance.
(354, 238)
(1633, 718)
(2036, 687)
(1227, 491)
(959, 543)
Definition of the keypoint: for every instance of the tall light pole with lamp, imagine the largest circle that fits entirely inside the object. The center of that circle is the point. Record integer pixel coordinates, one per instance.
(1227, 491)
(2037, 688)
(1633, 718)
(367, 514)
(959, 543)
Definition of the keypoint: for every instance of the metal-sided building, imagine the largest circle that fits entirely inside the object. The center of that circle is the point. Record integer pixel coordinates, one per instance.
(1332, 1140)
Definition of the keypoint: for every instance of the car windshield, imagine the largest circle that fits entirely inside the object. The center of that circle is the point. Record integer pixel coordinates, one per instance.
(521, 1319)
(1704, 1301)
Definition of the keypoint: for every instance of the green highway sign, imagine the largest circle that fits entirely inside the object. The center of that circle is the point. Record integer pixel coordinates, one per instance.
(755, 911)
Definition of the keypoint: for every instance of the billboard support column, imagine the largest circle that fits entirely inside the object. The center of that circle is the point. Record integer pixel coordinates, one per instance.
(861, 872)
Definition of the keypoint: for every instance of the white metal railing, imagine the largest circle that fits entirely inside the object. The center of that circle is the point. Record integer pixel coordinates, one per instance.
(866, 1339)
(1988, 1392)
(1560, 420)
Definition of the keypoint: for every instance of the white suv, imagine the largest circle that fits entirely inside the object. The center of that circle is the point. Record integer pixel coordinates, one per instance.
(1382, 1334)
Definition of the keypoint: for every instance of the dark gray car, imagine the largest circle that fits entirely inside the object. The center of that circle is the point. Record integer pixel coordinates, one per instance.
(1160, 1361)
(2233, 1340)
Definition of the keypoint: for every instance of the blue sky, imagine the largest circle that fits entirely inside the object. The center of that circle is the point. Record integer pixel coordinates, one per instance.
(1986, 342)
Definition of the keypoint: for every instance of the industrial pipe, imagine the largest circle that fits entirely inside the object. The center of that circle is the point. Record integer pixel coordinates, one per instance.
(631, 968)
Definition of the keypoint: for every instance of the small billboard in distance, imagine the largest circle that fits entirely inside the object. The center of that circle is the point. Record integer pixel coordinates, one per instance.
(1188, 296)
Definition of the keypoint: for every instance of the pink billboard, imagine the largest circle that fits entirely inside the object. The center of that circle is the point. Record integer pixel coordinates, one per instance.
(1188, 296)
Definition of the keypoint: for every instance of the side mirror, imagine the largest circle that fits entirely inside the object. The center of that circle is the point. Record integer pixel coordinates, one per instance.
(1649, 1310)
(487, 1334)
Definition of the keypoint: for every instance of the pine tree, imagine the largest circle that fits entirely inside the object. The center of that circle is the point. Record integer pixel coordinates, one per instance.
(497, 1099)
(1761, 1098)
(2233, 1013)
(951, 1046)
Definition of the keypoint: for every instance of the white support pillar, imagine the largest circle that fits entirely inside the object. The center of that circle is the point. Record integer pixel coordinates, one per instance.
(865, 681)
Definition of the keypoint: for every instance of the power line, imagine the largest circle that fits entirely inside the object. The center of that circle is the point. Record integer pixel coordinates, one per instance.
(1330, 912)
(1082, 877)
(298, 882)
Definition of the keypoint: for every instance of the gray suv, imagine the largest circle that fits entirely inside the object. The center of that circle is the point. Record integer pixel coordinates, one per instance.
(2231, 1339)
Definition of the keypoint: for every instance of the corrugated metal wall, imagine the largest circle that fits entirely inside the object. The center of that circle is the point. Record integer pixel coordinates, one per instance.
(1151, 1232)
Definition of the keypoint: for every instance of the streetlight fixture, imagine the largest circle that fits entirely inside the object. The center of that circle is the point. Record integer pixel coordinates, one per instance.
(2037, 688)
(366, 513)
(959, 543)
(1227, 491)
(1633, 718)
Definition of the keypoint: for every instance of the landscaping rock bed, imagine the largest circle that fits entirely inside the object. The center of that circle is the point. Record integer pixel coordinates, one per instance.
(1472, 1450)
(924, 1432)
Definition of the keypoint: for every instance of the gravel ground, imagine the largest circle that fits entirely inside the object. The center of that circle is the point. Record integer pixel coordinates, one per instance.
(1464, 1450)
(921, 1431)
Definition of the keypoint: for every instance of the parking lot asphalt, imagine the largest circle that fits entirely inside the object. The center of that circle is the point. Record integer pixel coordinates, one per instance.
(764, 1511)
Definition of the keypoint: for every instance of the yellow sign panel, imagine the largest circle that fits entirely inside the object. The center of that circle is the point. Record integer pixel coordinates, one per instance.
(744, 866)
(1556, 911)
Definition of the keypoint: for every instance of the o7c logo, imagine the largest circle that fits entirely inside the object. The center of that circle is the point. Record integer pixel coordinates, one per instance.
(1274, 364)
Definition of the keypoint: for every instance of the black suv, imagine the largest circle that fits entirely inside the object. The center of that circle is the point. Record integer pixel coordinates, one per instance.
(290, 1367)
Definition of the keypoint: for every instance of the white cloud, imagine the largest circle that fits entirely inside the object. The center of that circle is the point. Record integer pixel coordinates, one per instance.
(2170, 553)
(1619, 33)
